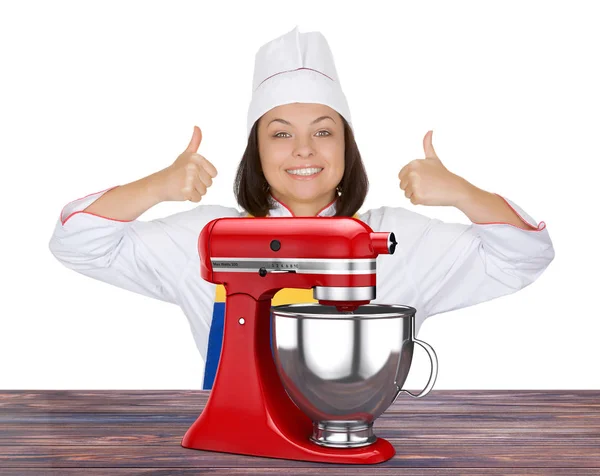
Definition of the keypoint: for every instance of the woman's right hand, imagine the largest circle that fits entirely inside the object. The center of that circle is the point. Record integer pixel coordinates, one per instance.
(189, 177)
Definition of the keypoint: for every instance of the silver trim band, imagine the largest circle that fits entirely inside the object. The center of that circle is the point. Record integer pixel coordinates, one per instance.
(296, 265)
(344, 293)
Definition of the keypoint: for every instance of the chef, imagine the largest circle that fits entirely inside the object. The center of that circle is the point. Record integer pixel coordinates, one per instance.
(302, 160)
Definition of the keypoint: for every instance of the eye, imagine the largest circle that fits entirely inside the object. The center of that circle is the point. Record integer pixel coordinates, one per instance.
(328, 133)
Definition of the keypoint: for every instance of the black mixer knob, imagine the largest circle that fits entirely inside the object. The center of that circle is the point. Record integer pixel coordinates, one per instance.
(262, 272)
(275, 245)
(393, 243)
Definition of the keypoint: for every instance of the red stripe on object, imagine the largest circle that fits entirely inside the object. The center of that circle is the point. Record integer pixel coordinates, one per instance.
(327, 206)
(540, 227)
(288, 208)
(292, 213)
(90, 194)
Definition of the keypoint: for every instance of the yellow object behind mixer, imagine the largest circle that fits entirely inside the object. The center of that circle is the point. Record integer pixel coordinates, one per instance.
(283, 296)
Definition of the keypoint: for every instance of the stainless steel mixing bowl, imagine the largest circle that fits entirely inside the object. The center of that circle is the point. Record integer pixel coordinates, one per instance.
(344, 369)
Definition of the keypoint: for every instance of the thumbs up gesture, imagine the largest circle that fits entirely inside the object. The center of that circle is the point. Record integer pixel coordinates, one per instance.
(427, 182)
(189, 177)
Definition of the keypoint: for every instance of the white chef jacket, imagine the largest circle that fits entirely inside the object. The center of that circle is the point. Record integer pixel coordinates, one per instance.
(437, 266)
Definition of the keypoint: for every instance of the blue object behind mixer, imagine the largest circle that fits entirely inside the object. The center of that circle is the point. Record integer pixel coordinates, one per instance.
(215, 342)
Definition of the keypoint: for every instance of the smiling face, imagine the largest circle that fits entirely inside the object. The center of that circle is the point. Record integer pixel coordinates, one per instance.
(297, 136)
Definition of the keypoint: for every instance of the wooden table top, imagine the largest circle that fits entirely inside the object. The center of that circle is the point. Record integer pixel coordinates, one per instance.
(448, 432)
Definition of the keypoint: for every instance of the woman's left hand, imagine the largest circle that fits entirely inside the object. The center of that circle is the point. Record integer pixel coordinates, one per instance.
(427, 182)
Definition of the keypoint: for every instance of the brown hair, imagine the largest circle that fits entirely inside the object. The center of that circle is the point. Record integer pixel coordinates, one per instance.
(251, 186)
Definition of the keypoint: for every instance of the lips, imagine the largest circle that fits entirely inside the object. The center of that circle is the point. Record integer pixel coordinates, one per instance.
(298, 176)
(308, 166)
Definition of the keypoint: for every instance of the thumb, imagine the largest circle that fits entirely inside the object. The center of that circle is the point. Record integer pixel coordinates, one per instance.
(428, 146)
(195, 142)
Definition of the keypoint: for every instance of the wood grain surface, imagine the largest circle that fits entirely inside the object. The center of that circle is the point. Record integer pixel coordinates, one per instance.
(469, 432)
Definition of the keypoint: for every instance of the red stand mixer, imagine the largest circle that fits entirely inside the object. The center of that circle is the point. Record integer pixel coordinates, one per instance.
(248, 410)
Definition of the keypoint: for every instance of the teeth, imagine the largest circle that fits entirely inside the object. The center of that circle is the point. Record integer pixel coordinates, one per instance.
(310, 171)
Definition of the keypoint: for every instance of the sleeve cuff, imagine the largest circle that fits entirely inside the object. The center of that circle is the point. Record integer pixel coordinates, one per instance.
(513, 242)
(80, 204)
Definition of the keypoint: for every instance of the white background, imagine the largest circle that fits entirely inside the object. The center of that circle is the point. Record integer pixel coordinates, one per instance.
(97, 94)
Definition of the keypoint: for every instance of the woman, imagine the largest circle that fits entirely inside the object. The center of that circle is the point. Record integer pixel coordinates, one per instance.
(302, 160)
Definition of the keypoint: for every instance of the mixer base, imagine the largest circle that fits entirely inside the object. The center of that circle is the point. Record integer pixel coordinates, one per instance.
(248, 433)
(378, 452)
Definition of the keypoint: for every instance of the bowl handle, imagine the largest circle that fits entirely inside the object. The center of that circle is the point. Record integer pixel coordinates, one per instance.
(432, 376)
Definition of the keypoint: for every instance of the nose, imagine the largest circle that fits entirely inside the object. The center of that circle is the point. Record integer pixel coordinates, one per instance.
(303, 147)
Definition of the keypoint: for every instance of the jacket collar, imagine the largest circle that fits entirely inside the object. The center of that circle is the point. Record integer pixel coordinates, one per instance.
(280, 209)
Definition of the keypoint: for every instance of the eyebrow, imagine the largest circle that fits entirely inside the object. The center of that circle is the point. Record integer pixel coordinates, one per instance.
(313, 122)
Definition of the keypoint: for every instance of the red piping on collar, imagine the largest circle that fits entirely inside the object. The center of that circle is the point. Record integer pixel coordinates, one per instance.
(292, 213)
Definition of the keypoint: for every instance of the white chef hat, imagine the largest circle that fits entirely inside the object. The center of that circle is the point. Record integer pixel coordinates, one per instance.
(295, 67)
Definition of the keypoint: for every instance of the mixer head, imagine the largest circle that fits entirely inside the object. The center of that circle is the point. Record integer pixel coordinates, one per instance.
(335, 256)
